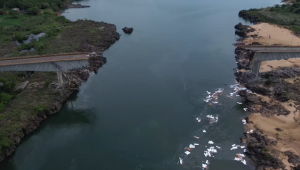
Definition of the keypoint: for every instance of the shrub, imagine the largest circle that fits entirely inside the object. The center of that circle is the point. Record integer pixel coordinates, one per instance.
(33, 11)
(4, 100)
(45, 5)
(14, 13)
(40, 108)
(20, 37)
(37, 31)
(8, 86)
(2, 12)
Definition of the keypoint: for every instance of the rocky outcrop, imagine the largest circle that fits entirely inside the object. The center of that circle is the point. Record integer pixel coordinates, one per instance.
(77, 6)
(127, 30)
(292, 157)
(246, 14)
(259, 154)
(243, 30)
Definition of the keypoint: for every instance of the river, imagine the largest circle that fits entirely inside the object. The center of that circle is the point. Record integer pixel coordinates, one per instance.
(139, 112)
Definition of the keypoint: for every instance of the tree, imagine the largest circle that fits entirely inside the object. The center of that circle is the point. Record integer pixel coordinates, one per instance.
(45, 5)
(10, 4)
(2, 12)
(33, 11)
(14, 13)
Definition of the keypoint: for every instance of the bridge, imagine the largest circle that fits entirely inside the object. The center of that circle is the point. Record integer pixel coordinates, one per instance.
(47, 63)
(266, 53)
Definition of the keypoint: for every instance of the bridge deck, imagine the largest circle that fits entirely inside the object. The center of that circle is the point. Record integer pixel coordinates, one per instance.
(266, 53)
(273, 48)
(43, 59)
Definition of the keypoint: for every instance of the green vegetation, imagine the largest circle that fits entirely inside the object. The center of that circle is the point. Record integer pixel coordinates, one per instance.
(286, 15)
(19, 28)
(33, 4)
(40, 108)
(19, 111)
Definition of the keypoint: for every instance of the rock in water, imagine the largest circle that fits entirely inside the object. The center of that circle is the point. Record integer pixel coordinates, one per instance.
(127, 30)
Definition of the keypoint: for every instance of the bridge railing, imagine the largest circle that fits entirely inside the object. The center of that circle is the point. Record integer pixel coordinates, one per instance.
(43, 61)
(39, 56)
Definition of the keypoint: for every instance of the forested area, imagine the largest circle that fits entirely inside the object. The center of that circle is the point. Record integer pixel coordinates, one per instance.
(287, 15)
(31, 6)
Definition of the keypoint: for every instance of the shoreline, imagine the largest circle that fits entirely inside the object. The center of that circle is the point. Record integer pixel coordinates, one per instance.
(76, 78)
(274, 107)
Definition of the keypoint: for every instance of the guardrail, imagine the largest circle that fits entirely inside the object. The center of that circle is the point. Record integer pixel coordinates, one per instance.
(40, 56)
(43, 61)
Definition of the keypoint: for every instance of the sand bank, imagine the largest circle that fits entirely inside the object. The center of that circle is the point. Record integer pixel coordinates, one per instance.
(275, 64)
(269, 34)
(287, 137)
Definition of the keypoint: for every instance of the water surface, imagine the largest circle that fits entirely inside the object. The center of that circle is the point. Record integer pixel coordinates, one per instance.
(138, 112)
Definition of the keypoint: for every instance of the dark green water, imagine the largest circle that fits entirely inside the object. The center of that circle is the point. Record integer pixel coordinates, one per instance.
(138, 112)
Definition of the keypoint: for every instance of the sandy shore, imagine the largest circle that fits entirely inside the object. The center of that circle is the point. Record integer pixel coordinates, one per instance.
(288, 138)
(282, 128)
(269, 34)
(275, 64)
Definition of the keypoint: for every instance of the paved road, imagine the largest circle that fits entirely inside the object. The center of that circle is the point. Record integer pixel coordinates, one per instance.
(273, 48)
(43, 59)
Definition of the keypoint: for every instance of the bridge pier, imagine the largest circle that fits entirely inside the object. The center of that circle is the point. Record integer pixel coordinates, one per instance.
(59, 78)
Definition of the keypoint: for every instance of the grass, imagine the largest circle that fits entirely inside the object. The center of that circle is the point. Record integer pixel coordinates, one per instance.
(62, 36)
(18, 29)
(21, 111)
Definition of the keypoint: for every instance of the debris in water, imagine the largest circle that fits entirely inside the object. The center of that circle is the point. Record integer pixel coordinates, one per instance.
(187, 152)
(245, 109)
(204, 131)
(192, 146)
(196, 137)
(210, 142)
(180, 161)
(234, 147)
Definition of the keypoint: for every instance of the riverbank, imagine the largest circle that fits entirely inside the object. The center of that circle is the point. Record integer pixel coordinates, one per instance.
(41, 98)
(275, 102)
(275, 118)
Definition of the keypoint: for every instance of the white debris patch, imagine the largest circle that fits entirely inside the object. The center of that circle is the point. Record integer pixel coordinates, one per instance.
(244, 121)
(213, 97)
(180, 161)
(240, 157)
(191, 146)
(237, 87)
(251, 131)
(210, 142)
(210, 151)
(212, 118)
